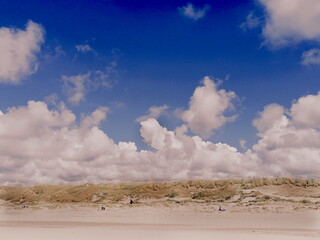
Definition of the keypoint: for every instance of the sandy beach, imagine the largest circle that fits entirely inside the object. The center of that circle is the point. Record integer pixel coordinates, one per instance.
(192, 221)
(277, 209)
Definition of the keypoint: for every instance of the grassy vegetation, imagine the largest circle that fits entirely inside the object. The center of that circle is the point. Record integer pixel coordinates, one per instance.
(229, 190)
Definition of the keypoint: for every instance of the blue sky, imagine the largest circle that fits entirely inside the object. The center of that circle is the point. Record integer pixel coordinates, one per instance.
(142, 54)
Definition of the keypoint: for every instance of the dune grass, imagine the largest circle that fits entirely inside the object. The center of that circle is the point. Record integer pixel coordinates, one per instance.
(194, 190)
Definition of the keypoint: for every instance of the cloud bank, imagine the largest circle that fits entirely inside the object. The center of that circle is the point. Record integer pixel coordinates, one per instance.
(18, 50)
(52, 146)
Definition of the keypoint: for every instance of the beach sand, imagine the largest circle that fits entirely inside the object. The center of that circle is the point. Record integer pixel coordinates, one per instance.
(190, 221)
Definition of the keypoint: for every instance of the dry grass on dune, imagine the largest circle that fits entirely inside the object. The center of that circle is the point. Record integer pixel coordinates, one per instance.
(232, 190)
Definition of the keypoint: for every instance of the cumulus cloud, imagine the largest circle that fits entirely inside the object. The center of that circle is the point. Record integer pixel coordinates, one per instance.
(190, 157)
(289, 140)
(18, 50)
(53, 146)
(194, 13)
(268, 117)
(154, 112)
(207, 107)
(95, 118)
(251, 22)
(50, 146)
(311, 57)
(83, 48)
(305, 113)
(291, 21)
(76, 87)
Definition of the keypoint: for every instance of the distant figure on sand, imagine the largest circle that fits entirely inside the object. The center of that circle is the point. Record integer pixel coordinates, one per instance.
(221, 209)
(102, 208)
(131, 201)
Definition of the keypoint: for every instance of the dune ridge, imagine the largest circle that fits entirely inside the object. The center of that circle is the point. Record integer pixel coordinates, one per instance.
(299, 193)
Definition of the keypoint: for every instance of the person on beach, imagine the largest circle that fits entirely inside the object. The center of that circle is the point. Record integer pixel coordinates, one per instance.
(221, 209)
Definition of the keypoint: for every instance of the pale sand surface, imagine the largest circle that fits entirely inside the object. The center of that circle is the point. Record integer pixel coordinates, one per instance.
(192, 221)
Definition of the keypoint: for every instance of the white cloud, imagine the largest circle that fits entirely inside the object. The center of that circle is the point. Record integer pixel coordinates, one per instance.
(51, 147)
(48, 146)
(186, 157)
(311, 57)
(51, 99)
(18, 50)
(190, 11)
(207, 107)
(251, 22)
(95, 118)
(305, 112)
(37, 119)
(154, 112)
(76, 87)
(267, 119)
(53, 54)
(291, 21)
(83, 48)
(242, 143)
(289, 143)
